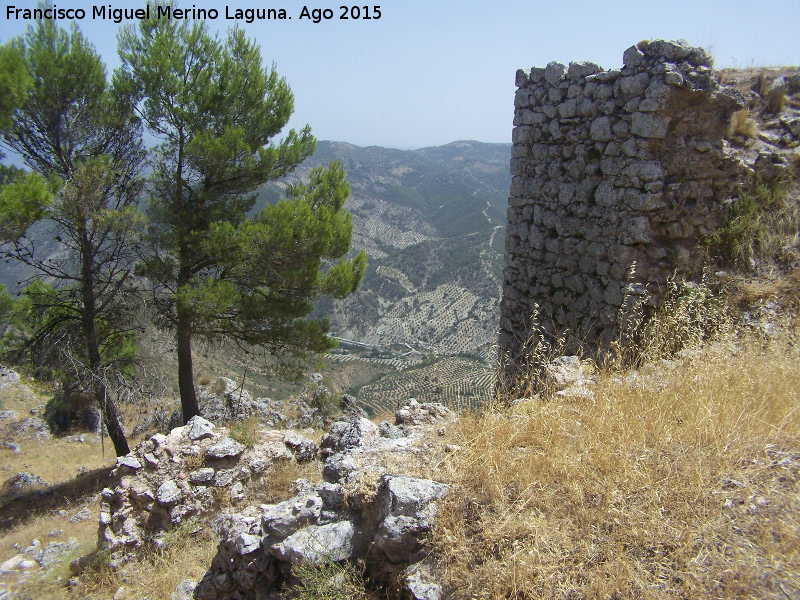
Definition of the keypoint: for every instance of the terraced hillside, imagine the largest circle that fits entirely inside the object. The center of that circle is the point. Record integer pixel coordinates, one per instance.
(456, 382)
(433, 223)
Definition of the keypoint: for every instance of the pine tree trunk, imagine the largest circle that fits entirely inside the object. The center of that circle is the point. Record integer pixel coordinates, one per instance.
(113, 426)
(97, 388)
(189, 404)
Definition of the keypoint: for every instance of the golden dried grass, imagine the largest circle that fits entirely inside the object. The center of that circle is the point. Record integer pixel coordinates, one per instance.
(776, 101)
(742, 124)
(154, 572)
(683, 482)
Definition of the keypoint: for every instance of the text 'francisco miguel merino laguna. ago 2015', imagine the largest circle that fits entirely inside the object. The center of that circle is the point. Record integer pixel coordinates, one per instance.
(117, 15)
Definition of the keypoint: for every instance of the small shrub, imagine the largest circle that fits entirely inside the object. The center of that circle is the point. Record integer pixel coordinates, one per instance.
(689, 315)
(218, 387)
(222, 497)
(203, 380)
(195, 461)
(245, 432)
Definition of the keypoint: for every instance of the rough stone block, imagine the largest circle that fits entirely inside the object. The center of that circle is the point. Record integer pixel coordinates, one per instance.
(649, 125)
(554, 72)
(600, 129)
(582, 69)
(632, 57)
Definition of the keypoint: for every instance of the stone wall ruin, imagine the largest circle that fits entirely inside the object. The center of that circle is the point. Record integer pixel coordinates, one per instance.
(611, 169)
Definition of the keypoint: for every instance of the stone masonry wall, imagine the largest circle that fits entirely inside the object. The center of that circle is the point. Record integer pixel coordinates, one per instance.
(611, 169)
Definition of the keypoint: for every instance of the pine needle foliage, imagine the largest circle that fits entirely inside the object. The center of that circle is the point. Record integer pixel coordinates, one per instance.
(216, 272)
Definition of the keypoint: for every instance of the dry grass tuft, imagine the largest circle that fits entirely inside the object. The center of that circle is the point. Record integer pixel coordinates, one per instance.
(744, 293)
(776, 101)
(677, 481)
(762, 84)
(330, 581)
(278, 483)
(218, 386)
(742, 124)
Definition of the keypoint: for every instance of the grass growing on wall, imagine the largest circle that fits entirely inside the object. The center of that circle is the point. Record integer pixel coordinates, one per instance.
(762, 223)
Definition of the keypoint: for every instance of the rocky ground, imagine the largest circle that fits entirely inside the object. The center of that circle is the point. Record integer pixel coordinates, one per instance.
(362, 500)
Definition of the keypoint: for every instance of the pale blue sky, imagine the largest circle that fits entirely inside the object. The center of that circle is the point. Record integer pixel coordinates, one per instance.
(428, 73)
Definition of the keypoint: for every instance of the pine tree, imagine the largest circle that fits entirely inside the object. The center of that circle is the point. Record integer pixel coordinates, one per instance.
(215, 271)
(84, 138)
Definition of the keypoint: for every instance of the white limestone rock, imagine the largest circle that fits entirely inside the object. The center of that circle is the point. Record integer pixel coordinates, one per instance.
(317, 544)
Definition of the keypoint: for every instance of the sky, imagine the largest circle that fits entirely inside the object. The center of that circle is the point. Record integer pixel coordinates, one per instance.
(427, 73)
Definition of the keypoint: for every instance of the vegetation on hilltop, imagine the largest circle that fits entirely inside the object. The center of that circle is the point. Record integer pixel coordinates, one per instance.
(82, 136)
(213, 270)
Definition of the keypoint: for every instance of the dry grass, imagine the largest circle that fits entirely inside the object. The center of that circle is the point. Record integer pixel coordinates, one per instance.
(762, 84)
(680, 483)
(742, 124)
(246, 432)
(278, 483)
(152, 573)
(48, 528)
(776, 101)
(57, 460)
(743, 293)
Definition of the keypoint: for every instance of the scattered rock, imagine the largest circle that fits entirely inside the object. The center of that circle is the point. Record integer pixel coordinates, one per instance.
(12, 564)
(390, 431)
(83, 514)
(13, 447)
(32, 427)
(55, 553)
(563, 372)
(416, 414)
(227, 448)
(8, 377)
(421, 583)
(303, 449)
(184, 591)
(19, 482)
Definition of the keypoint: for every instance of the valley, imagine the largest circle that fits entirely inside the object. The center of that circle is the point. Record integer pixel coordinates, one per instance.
(424, 320)
(432, 221)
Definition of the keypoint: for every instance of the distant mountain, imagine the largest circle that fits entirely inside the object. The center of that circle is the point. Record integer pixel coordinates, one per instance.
(432, 221)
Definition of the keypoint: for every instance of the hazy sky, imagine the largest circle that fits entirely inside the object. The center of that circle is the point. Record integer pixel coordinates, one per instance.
(431, 72)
